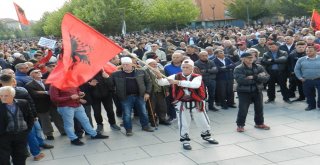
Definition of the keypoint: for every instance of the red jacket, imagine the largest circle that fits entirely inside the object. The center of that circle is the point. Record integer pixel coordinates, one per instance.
(62, 98)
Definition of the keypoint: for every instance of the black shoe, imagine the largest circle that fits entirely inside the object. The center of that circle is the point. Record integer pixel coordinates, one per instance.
(225, 107)
(211, 140)
(269, 101)
(287, 101)
(77, 142)
(187, 146)
(213, 109)
(232, 106)
(50, 138)
(129, 132)
(46, 146)
(164, 122)
(80, 135)
(310, 108)
(298, 99)
(100, 136)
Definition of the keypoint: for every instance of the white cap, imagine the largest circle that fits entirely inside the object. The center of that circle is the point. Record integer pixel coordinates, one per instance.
(150, 60)
(189, 62)
(17, 55)
(126, 60)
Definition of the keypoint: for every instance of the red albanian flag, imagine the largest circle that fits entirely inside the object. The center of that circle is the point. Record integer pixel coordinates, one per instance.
(109, 68)
(21, 16)
(315, 20)
(85, 52)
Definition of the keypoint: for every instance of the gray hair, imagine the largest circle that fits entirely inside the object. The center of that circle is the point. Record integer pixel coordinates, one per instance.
(9, 89)
(209, 48)
(253, 50)
(20, 65)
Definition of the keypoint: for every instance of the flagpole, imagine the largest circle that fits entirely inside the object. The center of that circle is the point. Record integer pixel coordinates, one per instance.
(147, 65)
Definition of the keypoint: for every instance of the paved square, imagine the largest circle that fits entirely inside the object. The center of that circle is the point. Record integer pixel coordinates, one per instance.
(294, 139)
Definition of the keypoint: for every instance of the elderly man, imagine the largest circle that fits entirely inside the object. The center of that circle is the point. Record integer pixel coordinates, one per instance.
(158, 95)
(189, 93)
(307, 71)
(16, 121)
(208, 71)
(289, 45)
(45, 110)
(211, 55)
(133, 88)
(224, 78)
(275, 62)
(250, 78)
(155, 48)
(21, 74)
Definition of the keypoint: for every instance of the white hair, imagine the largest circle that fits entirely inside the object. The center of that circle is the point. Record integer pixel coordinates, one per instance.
(9, 89)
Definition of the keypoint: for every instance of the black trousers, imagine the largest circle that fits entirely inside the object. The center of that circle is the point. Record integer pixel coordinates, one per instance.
(294, 82)
(225, 92)
(245, 99)
(281, 79)
(14, 145)
(117, 104)
(108, 106)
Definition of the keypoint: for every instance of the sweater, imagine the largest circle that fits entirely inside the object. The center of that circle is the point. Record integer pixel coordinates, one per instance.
(307, 68)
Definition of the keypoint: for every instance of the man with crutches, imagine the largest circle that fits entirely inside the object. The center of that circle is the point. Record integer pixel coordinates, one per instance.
(189, 93)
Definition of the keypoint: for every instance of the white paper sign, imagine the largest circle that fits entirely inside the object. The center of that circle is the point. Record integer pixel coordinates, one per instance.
(45, 42)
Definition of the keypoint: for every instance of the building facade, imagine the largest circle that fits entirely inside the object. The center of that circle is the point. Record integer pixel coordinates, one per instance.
(214, 13)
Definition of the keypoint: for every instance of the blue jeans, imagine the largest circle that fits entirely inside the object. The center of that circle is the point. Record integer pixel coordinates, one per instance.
(35, 139)
(68, 113)
(128, 104)
(309, 89)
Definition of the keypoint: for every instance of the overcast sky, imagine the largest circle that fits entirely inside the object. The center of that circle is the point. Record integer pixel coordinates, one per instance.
(33, 8)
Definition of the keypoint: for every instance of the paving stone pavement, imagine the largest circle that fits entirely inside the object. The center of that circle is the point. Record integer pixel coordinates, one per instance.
(294, 139)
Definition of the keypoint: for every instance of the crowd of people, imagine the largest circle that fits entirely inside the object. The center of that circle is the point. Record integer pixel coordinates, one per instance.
(162, 77)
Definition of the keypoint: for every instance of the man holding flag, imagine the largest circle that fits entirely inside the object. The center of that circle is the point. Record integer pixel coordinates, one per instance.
(83, 57)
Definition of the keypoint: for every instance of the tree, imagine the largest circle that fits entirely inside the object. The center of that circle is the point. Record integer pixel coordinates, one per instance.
(52, 24)
(37, 28)
(256, 9)
(168, 14)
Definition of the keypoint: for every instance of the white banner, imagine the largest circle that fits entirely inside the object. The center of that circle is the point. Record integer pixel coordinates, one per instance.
(45, 42)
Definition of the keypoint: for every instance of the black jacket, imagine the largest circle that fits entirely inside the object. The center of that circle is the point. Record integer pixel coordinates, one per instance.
(22, 93)
(208, 70)
(281, 60)
(42, 101)
(293, 58)
(103, 87)
(25, 109)
(285, 48)
(224, 73)
(142, 78)
(253, 85)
